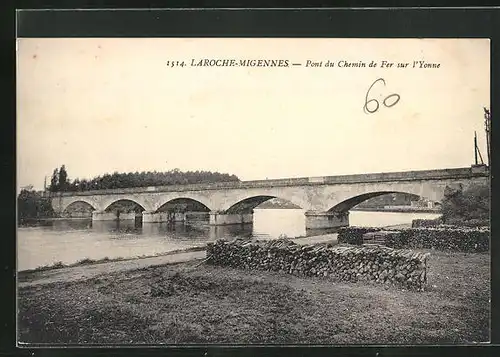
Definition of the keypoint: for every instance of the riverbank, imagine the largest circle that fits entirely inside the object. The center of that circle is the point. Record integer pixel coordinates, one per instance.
(29, 222)
(87, 261)
(192, 302)
(87, 268)
(402, 209)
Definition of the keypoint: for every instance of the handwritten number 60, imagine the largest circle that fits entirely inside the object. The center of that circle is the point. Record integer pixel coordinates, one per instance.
(387, 101)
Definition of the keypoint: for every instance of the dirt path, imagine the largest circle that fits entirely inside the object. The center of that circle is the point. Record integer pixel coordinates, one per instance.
(84, 272)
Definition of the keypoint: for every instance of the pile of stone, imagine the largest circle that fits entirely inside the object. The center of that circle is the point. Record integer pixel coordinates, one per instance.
(378, 238)
(364, 263)
(444, 238)
(424, 223)
(354, 235)
(470, 240)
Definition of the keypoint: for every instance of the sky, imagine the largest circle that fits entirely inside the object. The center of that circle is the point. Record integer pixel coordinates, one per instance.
(104, 105)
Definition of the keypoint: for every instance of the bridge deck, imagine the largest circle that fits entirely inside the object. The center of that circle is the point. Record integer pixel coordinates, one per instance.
(467, 172)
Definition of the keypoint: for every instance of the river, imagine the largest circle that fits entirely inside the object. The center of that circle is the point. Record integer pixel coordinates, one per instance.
(69, 241)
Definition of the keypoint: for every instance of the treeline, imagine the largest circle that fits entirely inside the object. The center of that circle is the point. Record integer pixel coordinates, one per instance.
(277, 203)
(61, 183)
(31, 205)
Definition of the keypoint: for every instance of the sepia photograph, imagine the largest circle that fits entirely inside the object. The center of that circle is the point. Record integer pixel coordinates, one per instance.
(249, 191)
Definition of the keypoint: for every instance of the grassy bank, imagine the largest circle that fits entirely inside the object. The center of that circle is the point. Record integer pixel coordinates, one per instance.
(87, 261)
(192, 303)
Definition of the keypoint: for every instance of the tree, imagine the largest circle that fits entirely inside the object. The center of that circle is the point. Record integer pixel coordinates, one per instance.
(54, 181)
(31, 205)
(75, 185)
(142, 179)
(63, 179)
(470, 204)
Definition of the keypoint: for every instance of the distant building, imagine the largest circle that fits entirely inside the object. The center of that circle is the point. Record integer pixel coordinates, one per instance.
(423, 203)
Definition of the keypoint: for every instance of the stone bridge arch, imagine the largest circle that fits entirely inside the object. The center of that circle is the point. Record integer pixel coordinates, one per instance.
(350, 203)
(343, 200)
(331, 204)
(105, 213)
(197, 198)
(142, 201)
(247, 201)
(248, 204)
(238, 208)
(92, 203)
(78, 208)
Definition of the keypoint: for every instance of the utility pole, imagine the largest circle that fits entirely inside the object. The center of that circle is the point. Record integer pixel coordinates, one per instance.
(475, 148)
(477, 151)
(487, 127)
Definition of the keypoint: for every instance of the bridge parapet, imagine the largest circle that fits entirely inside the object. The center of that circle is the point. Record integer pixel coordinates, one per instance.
(443, 174)
(467, 172)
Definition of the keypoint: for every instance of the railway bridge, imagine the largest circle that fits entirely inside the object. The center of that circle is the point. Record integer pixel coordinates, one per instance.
(326, 200)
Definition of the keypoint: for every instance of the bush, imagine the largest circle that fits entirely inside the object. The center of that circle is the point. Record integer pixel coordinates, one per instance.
(472, 203)
(31, 205)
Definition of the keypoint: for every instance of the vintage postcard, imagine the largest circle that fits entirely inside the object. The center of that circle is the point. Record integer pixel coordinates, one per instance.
(253, 191)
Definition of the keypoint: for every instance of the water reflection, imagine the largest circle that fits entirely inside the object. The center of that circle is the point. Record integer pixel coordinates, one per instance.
(121, 226)
(62, 224)
(384, 219)
(274, 223)
(69, 241)
(188, 231)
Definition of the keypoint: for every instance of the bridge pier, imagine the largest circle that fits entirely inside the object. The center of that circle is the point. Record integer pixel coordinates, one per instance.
(157, 217)
(322, 220)
(150, 217)
(221, 219)
(104, 216)
(112, 216)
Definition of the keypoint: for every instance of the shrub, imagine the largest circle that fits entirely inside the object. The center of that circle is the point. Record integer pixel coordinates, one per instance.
(464, 205)
(31, 205)
(85, 261)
